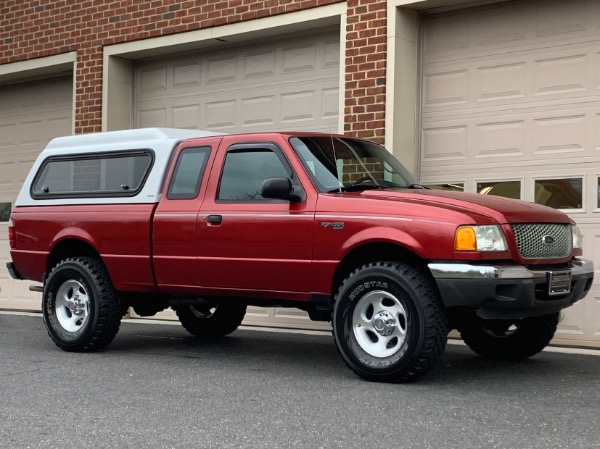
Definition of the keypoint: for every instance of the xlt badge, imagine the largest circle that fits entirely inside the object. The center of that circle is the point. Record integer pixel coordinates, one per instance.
(339, 225)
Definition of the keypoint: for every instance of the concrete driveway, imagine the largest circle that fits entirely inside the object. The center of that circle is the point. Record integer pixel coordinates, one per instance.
(157, 387)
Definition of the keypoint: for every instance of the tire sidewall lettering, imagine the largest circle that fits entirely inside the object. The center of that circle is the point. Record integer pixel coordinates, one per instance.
(356, 293)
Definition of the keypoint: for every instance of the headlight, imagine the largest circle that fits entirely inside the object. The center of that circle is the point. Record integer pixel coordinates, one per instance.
(480, 238)
(577, 238)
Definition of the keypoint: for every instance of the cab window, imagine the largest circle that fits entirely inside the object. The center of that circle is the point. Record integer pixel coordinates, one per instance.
(188, 173)
(245, 169)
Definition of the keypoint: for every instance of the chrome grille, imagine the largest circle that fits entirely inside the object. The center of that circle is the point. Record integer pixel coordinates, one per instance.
(533, 242)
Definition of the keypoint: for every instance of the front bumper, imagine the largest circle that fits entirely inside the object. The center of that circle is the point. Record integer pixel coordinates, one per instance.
(508, 291)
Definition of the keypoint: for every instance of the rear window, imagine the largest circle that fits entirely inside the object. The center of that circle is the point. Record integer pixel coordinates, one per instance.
(88, 176)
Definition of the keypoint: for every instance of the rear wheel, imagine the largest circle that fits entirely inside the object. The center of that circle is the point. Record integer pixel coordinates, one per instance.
(211, 319)
(82, 311)
(508, 339)
(389, 323)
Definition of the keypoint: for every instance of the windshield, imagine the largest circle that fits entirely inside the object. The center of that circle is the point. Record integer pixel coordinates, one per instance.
(342, 164)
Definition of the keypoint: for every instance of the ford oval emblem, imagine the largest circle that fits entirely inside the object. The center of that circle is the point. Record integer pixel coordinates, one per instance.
(548, 239)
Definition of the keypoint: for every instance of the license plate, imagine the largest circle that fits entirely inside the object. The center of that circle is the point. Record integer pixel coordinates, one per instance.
(559, 282)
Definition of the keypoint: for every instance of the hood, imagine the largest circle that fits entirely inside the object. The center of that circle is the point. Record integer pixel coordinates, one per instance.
(502, 210)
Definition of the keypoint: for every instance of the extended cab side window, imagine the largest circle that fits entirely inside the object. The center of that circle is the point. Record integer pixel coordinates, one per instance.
(95, 175)
(245, 169)
(188, 173)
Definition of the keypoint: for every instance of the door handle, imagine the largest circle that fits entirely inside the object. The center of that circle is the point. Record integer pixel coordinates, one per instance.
(214, 219)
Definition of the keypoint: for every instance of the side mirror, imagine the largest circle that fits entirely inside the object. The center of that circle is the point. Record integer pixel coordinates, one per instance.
(280, 189)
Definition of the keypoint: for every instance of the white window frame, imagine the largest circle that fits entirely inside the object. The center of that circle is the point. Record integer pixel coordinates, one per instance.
(579, 175)
(520, 179)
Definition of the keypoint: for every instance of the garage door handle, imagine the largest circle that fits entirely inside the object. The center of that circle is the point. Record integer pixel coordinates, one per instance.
(214, 219)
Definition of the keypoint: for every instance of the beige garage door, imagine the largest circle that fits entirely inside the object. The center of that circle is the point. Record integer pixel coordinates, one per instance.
(31, 114)
(283, 84)
(511, 105)
(288, 83)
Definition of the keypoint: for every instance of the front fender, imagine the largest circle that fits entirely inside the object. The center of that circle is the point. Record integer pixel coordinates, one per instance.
(383, 234)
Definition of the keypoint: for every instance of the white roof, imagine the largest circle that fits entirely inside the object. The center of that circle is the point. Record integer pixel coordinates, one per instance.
(124, 139)
(161, 141)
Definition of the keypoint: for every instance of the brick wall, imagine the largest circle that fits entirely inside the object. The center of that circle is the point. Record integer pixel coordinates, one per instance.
(366, 46)
(36, 28)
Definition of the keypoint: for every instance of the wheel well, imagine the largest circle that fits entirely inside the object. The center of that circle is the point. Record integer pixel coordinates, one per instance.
(70, 248)
(373, 252)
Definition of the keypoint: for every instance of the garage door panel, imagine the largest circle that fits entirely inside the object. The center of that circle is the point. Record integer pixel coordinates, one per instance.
(505, 81)
(221, 115)
(511, 91)
(329, 103)
(22, 170)
(7, 136)
(5, 281)
(152, 78)
(299, 58)
(30, 115)
(187, 74)
(62, 121)
(573, 324)
(31, 132)
(559, 17)
(258, 64)
(221, 69)
(7, 178)
(186, 116)
(258, 110)
(561, 74)
(147, 118)
(299, 106)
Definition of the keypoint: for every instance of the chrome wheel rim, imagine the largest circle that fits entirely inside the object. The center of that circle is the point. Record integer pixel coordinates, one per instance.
(72, 305)
(379, 323)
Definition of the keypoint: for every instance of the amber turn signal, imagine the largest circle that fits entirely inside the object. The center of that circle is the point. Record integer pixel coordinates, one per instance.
(465, 239)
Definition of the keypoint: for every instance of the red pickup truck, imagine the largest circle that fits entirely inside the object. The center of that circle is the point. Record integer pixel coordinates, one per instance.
(208, 224)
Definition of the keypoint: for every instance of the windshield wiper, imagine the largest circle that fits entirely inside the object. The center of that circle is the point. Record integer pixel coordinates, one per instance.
(360, 187)
(355, 188)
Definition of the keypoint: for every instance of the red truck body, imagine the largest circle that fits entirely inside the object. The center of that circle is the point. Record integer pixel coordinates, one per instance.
(283, 252)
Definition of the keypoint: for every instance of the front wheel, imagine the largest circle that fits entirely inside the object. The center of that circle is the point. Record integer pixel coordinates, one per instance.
(206, 319)
(508, 339)
(82, 311)
(389, 323)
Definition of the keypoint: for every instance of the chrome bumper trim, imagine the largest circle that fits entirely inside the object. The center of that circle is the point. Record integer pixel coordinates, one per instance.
(469, 271)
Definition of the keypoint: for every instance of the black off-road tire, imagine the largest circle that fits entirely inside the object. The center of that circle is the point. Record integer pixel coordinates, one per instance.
(389, 323)
(211, 320)
(81, 309)
(508, 340)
